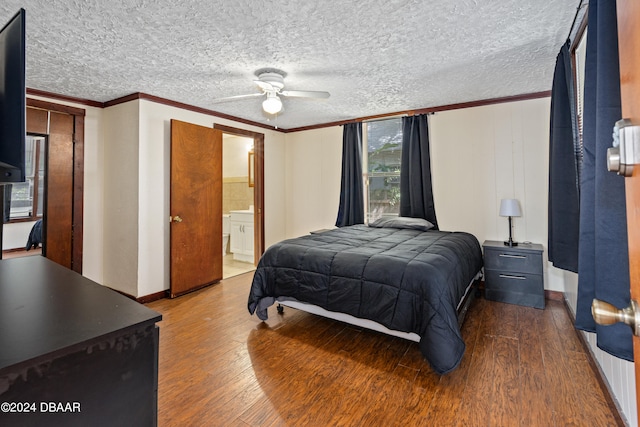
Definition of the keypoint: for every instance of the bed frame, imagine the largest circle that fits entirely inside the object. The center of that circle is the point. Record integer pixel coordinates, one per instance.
(463, 307)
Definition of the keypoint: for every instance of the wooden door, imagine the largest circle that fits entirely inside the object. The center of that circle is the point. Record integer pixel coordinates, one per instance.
(629, 48)
(196, 207)
(58, 213)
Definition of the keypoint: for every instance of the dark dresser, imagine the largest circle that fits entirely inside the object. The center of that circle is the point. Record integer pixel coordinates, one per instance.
(514, 274)
(73, 352)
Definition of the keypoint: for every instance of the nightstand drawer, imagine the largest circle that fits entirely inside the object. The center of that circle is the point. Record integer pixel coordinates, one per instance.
(511, 260)
(514, 288)
(517, 282)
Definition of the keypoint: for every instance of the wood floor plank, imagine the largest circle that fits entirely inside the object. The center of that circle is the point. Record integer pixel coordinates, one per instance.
(505, 405)
(565, 328)
(564, 396)
(536, 403)
(591, 395)
(439, 406)
(220, 366)
(475, 409)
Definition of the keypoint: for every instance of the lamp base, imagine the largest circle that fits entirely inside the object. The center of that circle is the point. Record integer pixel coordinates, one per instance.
(510, 243)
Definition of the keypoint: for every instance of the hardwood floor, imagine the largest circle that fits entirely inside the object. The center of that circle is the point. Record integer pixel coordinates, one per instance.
(221, 367)
(21, 253)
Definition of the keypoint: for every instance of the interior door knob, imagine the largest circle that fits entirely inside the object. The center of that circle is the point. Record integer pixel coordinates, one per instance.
(175, 219)
(608, 314)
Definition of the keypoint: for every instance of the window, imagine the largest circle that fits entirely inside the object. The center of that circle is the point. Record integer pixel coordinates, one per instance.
(27, 197)
(381, 166)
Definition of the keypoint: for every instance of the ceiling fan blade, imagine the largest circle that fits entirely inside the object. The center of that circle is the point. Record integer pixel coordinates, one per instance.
(305, 93)
(266, 86)
(233, 98)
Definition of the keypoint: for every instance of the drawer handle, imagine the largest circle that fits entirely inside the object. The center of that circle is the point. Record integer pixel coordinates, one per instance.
(509, 276)
(513, 256)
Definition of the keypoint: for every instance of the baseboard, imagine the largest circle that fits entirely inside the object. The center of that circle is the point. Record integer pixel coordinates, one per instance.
(8, 251)
(153, 297)
(595, 366)
(553, 295)
(146, 298)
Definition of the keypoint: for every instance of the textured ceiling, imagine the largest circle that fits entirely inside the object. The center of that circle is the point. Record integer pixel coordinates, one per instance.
(373, 56)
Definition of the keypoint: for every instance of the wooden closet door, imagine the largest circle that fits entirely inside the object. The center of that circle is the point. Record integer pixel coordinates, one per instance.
(59, 190)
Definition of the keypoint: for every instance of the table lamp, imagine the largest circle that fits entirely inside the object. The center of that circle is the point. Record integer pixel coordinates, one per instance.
(510, 208)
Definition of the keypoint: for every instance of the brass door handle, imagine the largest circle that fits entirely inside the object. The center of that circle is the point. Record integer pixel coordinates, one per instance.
(175, 219)
(608, 314)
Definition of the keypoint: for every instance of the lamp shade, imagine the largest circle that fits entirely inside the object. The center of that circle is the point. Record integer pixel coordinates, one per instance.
(272, 104)
(510, 207)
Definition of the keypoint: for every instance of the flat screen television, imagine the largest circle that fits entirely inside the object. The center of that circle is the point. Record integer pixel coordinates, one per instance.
(13, 99)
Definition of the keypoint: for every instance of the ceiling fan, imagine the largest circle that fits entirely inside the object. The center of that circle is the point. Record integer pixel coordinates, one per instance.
(272, 84)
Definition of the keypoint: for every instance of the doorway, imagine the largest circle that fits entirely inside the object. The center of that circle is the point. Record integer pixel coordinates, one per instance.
(24, 204)
(243, 199)
(238, 207)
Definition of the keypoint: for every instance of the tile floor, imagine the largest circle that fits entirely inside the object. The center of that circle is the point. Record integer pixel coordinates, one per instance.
(231, 267)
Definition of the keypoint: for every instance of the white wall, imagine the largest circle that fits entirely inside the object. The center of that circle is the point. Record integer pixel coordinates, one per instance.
(122, 197)
(94, 202)
(483, 154)
(153, 175)
(313, 169)
(235, 151)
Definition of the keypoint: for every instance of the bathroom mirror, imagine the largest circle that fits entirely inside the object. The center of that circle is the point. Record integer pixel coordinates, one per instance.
(251, 169)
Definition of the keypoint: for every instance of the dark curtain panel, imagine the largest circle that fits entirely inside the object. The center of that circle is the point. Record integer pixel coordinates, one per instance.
(416, 196)
(564, 209)
(351, 209)
(6, 202)
(603, 271)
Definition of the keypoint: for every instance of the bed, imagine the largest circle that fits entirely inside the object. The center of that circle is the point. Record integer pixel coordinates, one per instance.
(405, 280)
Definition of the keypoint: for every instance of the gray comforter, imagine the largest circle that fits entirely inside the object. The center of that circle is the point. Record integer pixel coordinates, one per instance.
(407, 280)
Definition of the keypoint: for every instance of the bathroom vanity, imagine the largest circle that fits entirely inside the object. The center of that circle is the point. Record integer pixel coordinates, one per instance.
(242, 229)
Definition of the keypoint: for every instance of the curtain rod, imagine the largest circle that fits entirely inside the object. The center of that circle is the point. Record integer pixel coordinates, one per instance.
(575, 17)
(395, 116)
(380, 119)
(385, 117)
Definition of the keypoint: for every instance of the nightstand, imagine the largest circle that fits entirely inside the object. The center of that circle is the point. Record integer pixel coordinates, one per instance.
(514, 274)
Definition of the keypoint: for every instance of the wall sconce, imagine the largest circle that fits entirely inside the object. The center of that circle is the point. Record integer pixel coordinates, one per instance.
(510, 208)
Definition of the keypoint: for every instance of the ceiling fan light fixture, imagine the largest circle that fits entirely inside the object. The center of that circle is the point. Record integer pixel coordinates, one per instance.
(272, 104)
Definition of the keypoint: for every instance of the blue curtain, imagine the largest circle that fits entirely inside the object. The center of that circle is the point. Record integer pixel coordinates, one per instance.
(564, 204)
(6, 202)
(603, 265)
(416, 196)
(351, 208)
